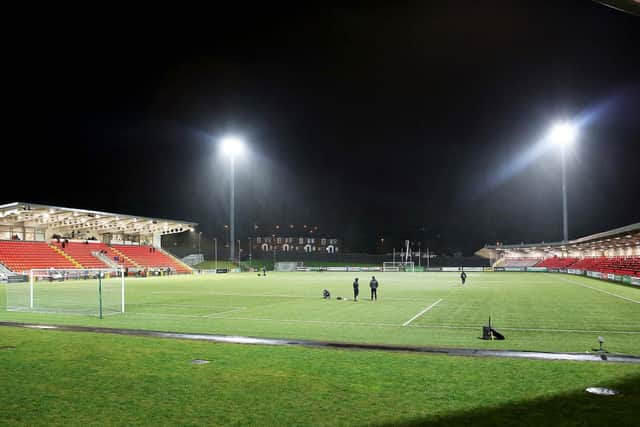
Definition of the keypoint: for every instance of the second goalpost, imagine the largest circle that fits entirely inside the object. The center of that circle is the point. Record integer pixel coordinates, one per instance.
(96, 292)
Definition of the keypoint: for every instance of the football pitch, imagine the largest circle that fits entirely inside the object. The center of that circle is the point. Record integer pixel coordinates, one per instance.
(58, 377)
(536, 311)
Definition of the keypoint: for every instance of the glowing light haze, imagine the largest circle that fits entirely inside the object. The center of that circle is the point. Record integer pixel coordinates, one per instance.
(563, 133)
(232, 145)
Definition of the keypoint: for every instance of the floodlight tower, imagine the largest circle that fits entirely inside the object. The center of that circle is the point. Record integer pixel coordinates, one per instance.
(564, 134)
(232, 146)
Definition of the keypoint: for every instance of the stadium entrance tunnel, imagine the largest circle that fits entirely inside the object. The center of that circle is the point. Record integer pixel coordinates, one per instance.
(470, 352)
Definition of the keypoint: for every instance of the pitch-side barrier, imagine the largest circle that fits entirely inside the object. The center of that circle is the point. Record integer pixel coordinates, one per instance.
(611, 277)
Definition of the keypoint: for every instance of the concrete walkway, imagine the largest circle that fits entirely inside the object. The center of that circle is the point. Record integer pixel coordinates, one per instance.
(579, 357)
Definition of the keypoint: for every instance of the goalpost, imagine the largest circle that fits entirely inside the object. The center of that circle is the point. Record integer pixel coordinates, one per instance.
(398, 266)
(287, 266)
(96, 292)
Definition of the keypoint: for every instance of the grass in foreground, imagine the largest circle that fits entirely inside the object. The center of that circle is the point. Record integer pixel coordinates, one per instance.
(546, 312)
(63, 378)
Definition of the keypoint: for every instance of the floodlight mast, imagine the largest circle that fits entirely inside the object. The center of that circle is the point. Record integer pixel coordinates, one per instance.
(232, 146)
(564, 134)
(565, 226)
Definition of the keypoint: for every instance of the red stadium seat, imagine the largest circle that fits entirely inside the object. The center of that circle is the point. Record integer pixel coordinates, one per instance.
(556, 262)
(21, 256)
(147, 256)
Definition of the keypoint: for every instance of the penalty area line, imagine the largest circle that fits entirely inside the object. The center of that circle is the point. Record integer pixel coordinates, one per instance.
(422, 312)
(218, 316)
(235, 310)
(599, 290)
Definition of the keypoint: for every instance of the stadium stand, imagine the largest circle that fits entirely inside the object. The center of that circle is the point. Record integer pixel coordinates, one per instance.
(614, 253)
(42, 236)
(557, 262)
(21, 256)
(83, 253)
(147, 256)
(616, 265)
(519, 262)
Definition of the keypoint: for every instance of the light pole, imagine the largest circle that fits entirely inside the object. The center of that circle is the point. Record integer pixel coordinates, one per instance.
(232, 146)
(564, 134)
(226, 235)
(199, 237)
(273, 242)
(215, 250)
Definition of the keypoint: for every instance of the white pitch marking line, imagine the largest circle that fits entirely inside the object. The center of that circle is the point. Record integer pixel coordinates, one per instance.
(195, 316)
(381, 324)
(600, 290)
(529, 329)
(224, 312)
(422, 312)
(183, 305)
(320, 322)
(217, 313)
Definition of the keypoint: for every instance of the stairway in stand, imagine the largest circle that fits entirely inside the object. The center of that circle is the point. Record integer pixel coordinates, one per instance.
(67, 256)
(124, 257)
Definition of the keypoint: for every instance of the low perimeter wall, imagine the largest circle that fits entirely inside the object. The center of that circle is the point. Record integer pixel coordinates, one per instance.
(627, 280)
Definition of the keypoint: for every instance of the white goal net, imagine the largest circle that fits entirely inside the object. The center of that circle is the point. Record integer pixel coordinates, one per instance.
(98, 292)
(287, 266)
(398, 266)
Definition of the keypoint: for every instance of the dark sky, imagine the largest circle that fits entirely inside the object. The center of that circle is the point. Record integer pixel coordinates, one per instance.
(398, 119)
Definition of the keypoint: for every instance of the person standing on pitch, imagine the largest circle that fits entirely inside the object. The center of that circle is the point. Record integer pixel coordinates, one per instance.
(373, 284)
(264, 270)
(463, 277)
(356, 289)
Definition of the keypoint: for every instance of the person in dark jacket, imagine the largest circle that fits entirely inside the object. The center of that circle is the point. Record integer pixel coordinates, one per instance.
(463, 277)
(373, 284)
(356, 289)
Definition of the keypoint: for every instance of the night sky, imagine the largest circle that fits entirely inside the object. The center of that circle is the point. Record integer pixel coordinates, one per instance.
(397, 120)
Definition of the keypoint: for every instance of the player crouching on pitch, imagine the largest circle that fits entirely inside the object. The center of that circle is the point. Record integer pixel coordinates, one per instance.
(326, 294)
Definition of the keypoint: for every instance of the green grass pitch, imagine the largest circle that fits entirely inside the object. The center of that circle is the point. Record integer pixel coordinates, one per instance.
(546, 312)
(71, 378)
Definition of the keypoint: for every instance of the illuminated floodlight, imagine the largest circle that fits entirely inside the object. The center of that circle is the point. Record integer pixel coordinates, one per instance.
(563, 133)
(232, 145)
